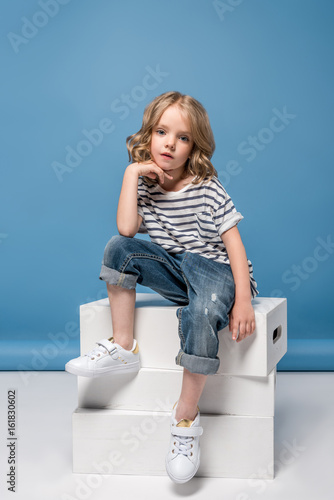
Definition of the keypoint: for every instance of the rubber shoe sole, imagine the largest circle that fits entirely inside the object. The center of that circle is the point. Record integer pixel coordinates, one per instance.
(183, 480)
(81, 372)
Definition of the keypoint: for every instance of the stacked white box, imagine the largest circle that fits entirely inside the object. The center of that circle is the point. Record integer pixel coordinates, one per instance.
(135, 442)
(237, 405)
(156, 329)
(152, 389)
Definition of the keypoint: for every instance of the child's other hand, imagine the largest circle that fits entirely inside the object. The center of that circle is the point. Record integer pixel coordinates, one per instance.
(151, 170)
(242, 318)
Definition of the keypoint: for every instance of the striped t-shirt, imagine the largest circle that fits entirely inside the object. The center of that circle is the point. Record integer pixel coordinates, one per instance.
(190, 220)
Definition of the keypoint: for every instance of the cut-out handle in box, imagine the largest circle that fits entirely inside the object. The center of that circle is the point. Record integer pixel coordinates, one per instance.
(277, 334)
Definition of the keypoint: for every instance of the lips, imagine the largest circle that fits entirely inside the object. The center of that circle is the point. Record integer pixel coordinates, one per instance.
(166, 155)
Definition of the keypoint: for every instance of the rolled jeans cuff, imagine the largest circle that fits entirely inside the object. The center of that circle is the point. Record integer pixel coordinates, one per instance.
(197, 364)
(114, 277)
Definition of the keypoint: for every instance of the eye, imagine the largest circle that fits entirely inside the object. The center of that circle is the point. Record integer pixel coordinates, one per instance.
(184, 138)
(160, 131)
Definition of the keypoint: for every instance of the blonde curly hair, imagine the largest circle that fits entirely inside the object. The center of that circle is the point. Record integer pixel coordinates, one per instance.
(199, 163)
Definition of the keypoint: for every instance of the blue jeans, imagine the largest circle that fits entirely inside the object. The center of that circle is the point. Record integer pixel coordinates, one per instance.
(204, 290)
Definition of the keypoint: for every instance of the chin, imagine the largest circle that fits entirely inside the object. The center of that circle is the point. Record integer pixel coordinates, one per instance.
(163, 166)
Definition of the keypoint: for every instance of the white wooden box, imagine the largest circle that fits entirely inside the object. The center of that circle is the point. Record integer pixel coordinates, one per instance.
(136, 442)
(157, 390)
(156, 329)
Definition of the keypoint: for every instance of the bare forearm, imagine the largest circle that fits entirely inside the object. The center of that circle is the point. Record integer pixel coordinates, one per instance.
(239, 264)
(128, 220)
(240, 270)
(242, 317)
(127, 214)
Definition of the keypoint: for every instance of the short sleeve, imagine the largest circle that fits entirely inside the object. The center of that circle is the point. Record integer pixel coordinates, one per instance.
(140, 211)
(142, 229)
(226, 215)
(139, 198)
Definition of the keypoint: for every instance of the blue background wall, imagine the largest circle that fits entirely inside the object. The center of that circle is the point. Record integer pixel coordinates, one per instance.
(70, 67)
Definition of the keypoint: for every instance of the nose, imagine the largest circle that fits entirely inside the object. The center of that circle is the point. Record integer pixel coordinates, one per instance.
(170, 141)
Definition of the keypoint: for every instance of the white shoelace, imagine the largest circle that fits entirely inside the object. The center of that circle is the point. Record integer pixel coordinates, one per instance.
(97, 351)
(183, 445)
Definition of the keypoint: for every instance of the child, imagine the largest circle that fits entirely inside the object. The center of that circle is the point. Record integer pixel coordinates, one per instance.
(195, 258)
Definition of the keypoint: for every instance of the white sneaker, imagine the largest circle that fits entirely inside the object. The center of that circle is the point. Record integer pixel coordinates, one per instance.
(108, 357)
(183, 458)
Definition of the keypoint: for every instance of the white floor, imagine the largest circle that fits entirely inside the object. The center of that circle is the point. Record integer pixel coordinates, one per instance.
(304, 446)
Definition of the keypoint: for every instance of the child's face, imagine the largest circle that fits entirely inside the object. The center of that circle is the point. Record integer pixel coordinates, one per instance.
(171, 142)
